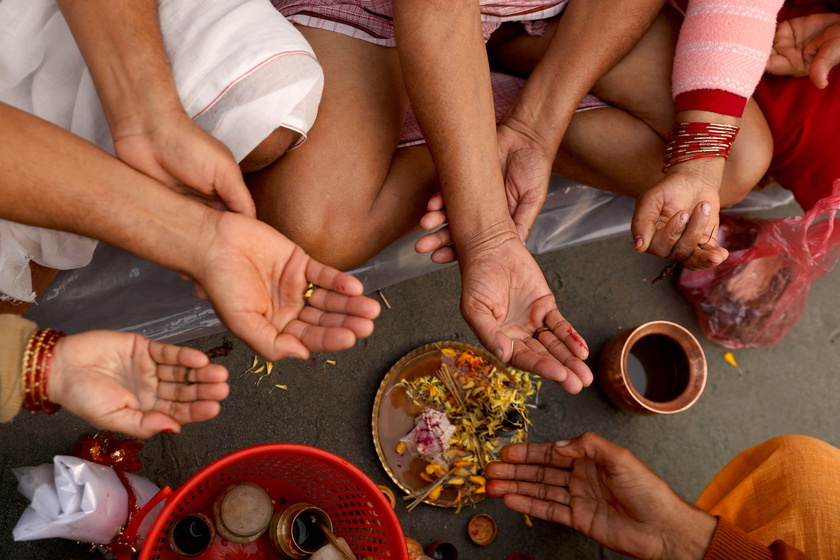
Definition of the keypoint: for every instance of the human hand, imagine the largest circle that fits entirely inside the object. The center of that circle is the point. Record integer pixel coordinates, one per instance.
(127, 383)
(603, 491)
(678, 218)
(526, 166)
(256, 279)
(806, 46)
(174, 150)
(505, 300)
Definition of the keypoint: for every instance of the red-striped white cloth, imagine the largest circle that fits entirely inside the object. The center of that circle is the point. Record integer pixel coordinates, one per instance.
(373, 21)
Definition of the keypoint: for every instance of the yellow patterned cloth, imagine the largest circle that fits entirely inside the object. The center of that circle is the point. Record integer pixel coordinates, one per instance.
(787, 488)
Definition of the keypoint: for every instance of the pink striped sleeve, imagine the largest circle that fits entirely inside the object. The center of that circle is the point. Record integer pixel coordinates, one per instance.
(722, 50)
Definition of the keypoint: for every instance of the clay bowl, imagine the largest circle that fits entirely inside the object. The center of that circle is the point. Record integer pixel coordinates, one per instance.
(655, 368)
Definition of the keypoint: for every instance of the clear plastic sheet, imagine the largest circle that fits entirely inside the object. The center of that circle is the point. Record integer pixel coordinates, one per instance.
(123, 292)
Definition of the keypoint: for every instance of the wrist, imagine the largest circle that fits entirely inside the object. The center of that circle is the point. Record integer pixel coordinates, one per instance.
(688, 535)
(485, 241)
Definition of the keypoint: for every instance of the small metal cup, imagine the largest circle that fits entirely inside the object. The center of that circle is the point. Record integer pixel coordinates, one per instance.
(242, 512)
(191, 535)
(294, 530)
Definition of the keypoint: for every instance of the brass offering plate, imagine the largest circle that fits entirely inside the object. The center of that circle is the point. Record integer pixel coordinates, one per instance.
(394, 414)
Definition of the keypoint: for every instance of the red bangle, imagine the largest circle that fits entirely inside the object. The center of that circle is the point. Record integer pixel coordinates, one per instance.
(689, 141)
(36, 370)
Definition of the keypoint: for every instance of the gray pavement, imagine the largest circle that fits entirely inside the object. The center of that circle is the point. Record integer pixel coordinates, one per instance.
(602, 288)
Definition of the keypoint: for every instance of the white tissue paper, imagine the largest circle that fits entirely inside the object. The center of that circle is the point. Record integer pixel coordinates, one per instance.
(78, 500)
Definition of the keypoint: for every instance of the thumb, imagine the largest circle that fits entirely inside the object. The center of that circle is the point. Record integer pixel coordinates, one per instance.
(643, 225)
(231, 188)
(828, 56)
(524, 218)
(489, 333)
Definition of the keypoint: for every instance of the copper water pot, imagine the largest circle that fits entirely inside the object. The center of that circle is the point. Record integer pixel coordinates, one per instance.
(685, 370)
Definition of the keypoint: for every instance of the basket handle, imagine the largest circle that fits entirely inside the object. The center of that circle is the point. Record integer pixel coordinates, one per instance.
(130, 533)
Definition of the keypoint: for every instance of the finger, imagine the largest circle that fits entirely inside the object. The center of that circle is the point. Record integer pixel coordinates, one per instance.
(535, 454)
(696, 233)
(528, 473)
(564, 368)
(185, 413)
(332, 279)
(432, 220)
(263, 337)
(433, 241)
(211, 373)
(663, 241)
(232, 189)
(643, 225)
(539, 509)
(828, 56)
(170, 354)
(444, 255)
(333, 302)
(546, 492)
(435, 202)
(187, 392)
(317, 338)
(489, 333)
(525, 216)
(360, 327)
(706, 258)
(563, 330)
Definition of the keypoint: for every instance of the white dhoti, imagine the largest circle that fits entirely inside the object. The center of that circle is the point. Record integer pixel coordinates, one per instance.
(241, 69)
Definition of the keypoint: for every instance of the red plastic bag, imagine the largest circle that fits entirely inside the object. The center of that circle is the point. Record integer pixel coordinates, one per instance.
(754, 298)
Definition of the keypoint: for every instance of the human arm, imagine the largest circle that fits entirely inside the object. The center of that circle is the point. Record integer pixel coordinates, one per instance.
(123, 49)
(504, 295)
(719, 60)
(254, 276)
(806, 46)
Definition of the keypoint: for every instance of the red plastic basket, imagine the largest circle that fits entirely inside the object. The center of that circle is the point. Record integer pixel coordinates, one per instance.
(359, 511)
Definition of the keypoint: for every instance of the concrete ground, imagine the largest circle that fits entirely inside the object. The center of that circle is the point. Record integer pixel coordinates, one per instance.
(602, 288)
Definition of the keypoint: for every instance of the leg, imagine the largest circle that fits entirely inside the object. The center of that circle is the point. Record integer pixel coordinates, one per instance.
(348, 192)
(41, 278)
(786, 488)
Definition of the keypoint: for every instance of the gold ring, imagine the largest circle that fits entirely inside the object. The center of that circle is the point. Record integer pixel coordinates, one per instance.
(538, 331)
(310, 289)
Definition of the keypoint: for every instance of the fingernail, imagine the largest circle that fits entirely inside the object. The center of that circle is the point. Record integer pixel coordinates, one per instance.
(706, 208)
(637, 241)
(684, 217)
(167, 431)
(499, 354)
(562, 443)
(296, 357)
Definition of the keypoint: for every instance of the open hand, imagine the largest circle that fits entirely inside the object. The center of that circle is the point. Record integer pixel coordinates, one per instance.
(806, 46)
(505, 299)
(178, 153)
(678, 219)
(127, 383)
(256, 279)
(603, 491)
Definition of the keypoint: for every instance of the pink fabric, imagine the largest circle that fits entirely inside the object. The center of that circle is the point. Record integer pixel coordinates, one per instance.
(724, 45)
(372, 20)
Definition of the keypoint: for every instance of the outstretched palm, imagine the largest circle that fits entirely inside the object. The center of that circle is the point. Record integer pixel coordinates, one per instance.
(505, 300)
(256, 279)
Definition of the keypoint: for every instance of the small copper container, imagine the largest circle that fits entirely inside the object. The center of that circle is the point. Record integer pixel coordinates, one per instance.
(655, 368)
(482, 529)
(191, 535)
(242, 512)
(294, 530)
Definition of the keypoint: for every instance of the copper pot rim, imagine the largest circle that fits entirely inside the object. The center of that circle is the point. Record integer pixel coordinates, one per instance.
(697, 367)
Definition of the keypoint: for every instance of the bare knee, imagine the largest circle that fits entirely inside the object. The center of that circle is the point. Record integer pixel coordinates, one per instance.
(749, 159)
(269, 150)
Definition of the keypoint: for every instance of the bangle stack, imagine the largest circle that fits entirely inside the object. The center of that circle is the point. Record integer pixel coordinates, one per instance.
(696, 140)
(36, 370)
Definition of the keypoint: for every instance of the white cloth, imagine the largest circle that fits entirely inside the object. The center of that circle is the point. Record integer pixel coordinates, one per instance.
(241, 69)
(78, 500)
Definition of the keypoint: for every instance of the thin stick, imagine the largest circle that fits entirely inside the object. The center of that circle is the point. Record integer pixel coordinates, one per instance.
(333, 539)
(384, 299)
(422, 494)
